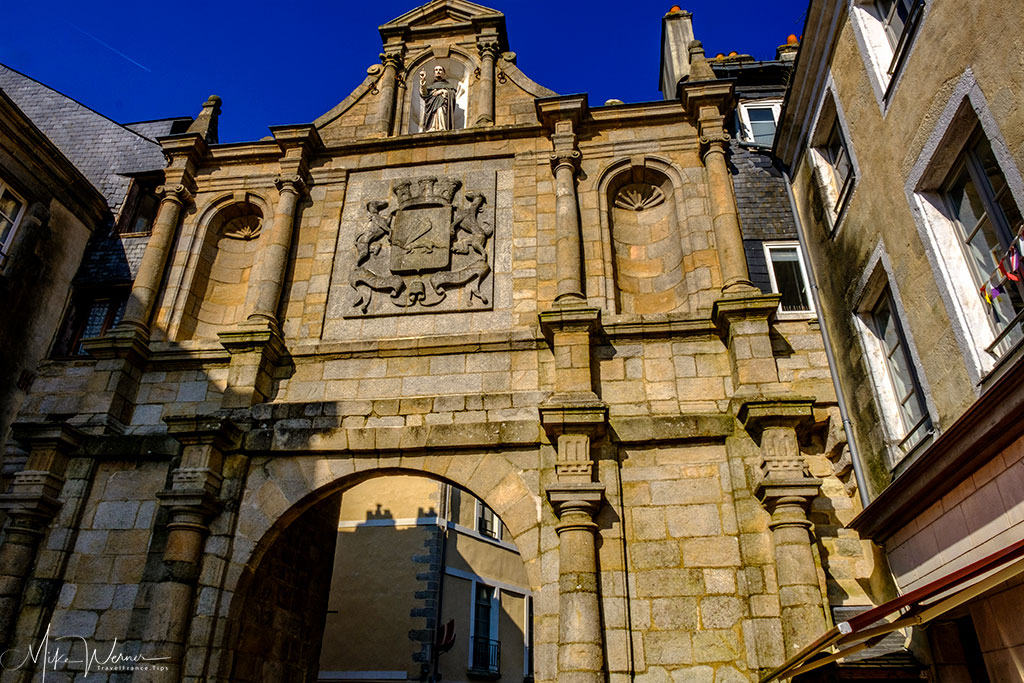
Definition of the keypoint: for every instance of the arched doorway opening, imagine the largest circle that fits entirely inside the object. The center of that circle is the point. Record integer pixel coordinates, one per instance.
(394, 576)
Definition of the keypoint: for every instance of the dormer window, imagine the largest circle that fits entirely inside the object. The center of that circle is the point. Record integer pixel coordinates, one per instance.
(757, 121)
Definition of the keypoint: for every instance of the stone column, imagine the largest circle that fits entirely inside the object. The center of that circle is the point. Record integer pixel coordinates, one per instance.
(488, 48)
(562, 115)
(192, 502)
(31, 505)
(728, 238)
(580, 651)
(391, 59)
(154, 259)
(786, 490)
(272, 257)
(569, 289)
(708, 101)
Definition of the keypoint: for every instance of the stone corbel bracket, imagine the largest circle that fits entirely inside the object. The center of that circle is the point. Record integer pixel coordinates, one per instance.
(33, 499)
(778, 424)
(572, 426)
(726, 311)
(195, 486)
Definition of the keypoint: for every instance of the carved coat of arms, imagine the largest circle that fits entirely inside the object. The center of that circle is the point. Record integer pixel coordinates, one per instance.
(426, 246)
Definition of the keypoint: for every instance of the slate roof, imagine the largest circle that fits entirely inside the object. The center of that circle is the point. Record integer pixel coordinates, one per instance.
(101, 149)
(160, 127)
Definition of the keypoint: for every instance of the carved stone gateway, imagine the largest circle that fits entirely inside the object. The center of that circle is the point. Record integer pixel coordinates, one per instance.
(424, 247)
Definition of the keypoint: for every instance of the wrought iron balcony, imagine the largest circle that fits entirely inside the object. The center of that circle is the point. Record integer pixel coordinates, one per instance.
(486, 656)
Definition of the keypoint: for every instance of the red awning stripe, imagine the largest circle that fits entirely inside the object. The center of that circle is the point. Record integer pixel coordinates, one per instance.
(922, 605)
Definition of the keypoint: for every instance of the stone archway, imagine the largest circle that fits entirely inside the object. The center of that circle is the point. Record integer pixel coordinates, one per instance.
(288, 499)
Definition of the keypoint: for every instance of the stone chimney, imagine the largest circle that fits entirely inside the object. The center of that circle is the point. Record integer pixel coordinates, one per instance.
(787, 52)
(676, 36)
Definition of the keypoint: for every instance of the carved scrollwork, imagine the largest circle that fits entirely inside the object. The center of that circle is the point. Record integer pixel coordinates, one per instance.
(177, 192)
(425, 247)
(291, 182)
(570, 158)
(639, 196)
(714, 142)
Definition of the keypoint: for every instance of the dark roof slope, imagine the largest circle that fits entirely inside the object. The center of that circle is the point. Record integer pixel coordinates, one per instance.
(100, 148)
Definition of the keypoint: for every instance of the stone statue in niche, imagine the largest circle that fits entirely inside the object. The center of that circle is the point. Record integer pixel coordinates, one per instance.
(431, 245)
(438, 101)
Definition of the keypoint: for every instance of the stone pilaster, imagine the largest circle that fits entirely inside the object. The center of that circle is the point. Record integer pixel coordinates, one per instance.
(573, 417)
(191, 501)
(488, 48)
(31, 505)
(392, 60)
(786, 490)
(708, 101)
(563, 116)
(580, 645)
(184, 153)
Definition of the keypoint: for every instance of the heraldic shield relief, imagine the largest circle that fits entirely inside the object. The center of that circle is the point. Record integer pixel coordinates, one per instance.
(421, 248)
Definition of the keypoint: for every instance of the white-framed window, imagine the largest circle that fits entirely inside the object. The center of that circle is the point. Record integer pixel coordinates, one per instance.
(487, 523)
(788, 276)
(758, 120)
(485, 652)
(966, 194)
(885, 31)
(12, 210)
(899, 390)
(833, 161)
(989, 225)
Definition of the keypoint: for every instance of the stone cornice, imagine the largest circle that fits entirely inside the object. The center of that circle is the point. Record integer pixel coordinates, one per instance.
(551, 110)
(646, 429)
(716, 93)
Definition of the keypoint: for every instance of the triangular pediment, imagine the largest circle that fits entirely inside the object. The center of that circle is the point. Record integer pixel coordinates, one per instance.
(441, 12)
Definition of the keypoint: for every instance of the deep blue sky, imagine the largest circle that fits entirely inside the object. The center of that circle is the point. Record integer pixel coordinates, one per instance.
(277, 63)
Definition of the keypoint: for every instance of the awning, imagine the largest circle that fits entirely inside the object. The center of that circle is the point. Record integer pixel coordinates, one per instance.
(919, 606)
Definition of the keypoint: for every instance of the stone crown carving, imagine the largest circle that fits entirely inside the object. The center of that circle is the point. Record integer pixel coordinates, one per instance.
(426, 191)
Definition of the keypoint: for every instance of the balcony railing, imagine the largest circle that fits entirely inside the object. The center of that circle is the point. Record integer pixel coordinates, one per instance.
(486, 656)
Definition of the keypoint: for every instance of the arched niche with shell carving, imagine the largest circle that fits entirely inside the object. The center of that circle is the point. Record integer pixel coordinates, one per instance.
(643, 219)
(216, 297)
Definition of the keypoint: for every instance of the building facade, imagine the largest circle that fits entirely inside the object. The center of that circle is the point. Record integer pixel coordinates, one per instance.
(904, 151)
(454, 274)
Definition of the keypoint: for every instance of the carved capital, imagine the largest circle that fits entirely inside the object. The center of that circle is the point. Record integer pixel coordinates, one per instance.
(290, 182)
(176, 193)
(391, 59)
(576, 505)
(488, 48)
(566, 159)
(713, 142)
